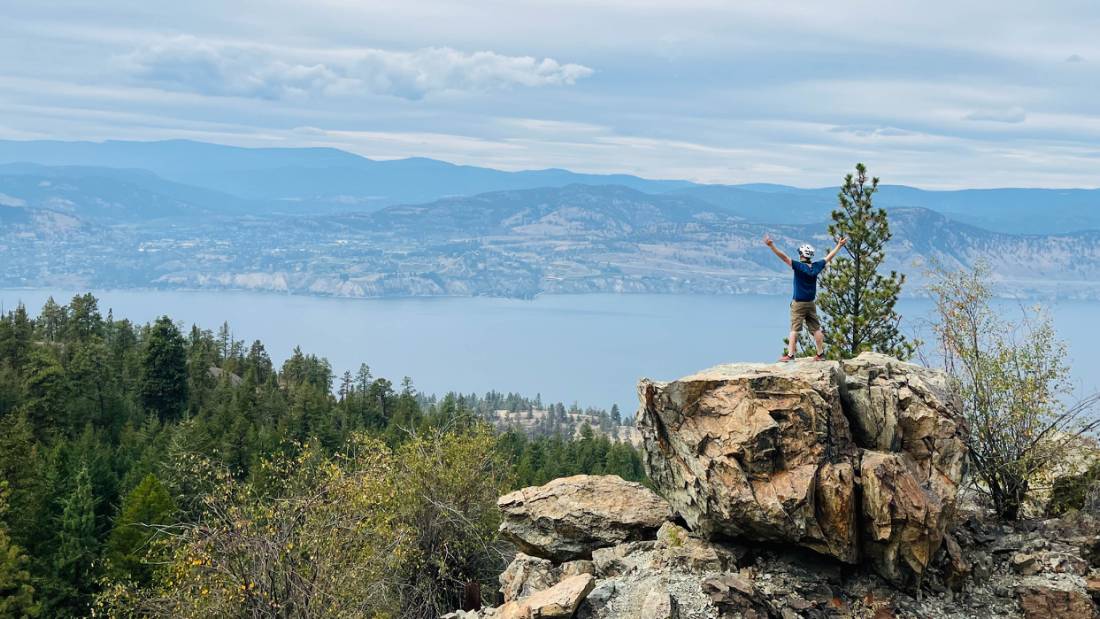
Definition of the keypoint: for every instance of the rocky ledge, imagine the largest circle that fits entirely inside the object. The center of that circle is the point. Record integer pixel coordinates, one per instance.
(809, 489)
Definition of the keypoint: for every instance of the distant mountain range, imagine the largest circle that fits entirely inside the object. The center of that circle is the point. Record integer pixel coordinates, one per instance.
(314, 221)
(221, 180)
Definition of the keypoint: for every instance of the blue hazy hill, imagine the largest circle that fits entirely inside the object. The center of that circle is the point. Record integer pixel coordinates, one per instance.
(1011, 210)
(188, 176)
(317, 178)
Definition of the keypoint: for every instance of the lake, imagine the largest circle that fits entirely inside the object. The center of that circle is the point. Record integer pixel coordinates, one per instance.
(586, 348)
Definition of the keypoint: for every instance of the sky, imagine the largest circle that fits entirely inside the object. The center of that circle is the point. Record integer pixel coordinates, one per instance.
(934, 94)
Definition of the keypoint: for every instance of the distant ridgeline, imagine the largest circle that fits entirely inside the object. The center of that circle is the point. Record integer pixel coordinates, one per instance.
(99, 416)
(183, 214)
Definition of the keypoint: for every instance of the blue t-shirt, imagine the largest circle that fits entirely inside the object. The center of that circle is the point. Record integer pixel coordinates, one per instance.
(805, 279)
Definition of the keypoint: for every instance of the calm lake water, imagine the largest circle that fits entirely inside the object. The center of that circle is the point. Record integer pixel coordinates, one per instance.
(588, 348)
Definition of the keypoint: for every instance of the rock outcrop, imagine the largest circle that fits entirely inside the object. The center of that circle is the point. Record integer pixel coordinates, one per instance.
(855, 460)
(569, 517)
(837, 466)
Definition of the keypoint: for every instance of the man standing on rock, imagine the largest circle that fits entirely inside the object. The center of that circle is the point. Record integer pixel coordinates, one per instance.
(803, 307)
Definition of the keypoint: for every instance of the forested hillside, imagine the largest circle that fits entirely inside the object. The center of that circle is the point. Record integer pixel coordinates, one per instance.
(125, 447)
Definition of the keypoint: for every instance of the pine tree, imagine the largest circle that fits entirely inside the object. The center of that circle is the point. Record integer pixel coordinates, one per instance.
(857, 302)
(164, 371)
(16, 588)
(44, 386)
(74, 564)
(127, 547)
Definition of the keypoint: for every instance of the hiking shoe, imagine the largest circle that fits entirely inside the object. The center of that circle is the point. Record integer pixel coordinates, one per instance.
(819, 357)
(786, 358)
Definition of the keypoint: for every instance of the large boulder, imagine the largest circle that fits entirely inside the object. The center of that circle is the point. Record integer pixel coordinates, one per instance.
(570, 517)
(858, 460)
(756, 451)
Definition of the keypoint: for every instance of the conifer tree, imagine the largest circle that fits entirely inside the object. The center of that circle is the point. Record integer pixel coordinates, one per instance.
(127, 547)
(74, 564)
(16, 588)
(856, 300)
(164, 371)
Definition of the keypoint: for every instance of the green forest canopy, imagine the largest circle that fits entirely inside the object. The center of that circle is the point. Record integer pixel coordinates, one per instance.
(99, 416)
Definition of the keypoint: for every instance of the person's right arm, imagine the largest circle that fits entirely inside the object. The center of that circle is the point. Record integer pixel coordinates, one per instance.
(775, 250)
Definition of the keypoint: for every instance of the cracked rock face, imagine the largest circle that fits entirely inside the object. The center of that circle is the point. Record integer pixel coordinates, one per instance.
(569, 517)
(903, 407)
(856, 460)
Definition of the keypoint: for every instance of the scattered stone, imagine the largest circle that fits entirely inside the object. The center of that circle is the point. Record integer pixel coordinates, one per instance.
(957, 569)
(559, 601)
(678, 549)
(1043, 602)
(570, 517)
(526, 575)
(1092, 587)
(734, 595)
(659, 605)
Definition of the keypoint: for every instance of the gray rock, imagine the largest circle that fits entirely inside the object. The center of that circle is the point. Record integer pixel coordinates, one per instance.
(570, 517)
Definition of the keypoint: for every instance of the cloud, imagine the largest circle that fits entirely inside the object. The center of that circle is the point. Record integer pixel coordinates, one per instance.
(1075, 58)
(1009, 115)
(190, 64)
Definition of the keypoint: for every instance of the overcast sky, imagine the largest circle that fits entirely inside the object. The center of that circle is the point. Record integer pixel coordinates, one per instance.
(931, 93)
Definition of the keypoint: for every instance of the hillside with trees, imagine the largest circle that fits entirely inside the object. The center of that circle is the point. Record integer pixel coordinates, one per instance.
(128, 452)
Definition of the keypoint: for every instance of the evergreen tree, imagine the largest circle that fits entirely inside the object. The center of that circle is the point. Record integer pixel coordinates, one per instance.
(44, 388)
(16, 588)
(75, 559)
(857, 302)
(128, 545)
(164, 371)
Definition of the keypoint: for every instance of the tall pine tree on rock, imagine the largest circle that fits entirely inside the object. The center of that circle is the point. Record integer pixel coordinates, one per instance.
(856, 299)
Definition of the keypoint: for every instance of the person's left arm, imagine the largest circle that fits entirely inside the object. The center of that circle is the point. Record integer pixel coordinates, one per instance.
(840, 243)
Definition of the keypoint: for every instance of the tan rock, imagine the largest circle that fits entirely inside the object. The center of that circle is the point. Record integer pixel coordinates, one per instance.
(897, 406)
(739, 450)
(777, 452)
(957, 569)
(526, 575)
(570, 517)
(659, 604)
(559, 601)
(904, 525)
(1042, 602)
(677, 549)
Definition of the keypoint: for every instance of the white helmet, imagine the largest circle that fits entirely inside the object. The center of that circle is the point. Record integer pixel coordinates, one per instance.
(806, 251)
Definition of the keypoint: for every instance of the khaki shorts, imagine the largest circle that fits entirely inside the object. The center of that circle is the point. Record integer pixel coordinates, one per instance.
(804, 311)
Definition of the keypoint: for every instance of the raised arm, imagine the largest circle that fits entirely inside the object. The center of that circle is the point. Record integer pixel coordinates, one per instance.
(840, 243)
(771, 245)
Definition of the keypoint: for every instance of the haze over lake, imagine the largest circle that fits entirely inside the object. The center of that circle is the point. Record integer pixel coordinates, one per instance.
(585, 348)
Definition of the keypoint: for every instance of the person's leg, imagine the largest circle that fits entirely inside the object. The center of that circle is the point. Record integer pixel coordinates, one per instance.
(813, 324)
(796, 326)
